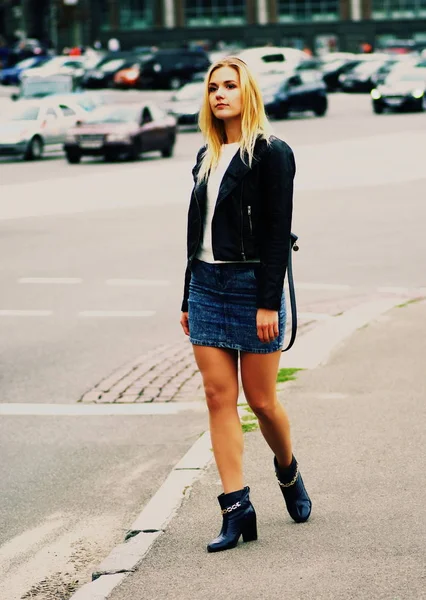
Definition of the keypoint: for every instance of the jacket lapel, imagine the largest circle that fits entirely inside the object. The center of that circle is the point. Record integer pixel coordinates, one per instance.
(233, 175)
(235, 172)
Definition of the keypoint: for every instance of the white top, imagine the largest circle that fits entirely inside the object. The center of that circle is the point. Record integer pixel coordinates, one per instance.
(228, 151)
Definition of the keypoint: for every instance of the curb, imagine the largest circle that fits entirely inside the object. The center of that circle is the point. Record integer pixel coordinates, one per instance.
(313, 349)
(150, 524)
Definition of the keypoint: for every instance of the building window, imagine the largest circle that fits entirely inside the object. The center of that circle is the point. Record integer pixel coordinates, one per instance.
(308, 10)
(104, 15)
(136, 14)
(398, 9)
(218, 12)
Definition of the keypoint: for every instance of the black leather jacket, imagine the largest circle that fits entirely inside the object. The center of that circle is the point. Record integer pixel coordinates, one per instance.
(252, 218)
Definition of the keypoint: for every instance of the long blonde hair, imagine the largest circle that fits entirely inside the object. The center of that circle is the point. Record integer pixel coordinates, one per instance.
(254, 122)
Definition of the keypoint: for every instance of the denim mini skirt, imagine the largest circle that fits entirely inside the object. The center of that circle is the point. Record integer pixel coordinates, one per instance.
(222, 308)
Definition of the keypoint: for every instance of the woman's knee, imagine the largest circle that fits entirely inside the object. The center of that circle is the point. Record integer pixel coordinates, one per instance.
(263, 406)
(220, 397)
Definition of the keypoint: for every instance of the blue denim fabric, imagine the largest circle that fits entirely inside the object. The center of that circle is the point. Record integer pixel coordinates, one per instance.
(222, 308)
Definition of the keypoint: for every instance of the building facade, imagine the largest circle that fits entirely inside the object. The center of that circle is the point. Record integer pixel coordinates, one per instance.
(316, 24)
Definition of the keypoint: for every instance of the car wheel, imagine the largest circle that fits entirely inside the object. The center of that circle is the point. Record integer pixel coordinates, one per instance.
(321, 108)
(167, 152)
(73, 157)
(378, 109)
(175, 83)
(134, 151)
(111, 156)
(35, 149)
(282, 112)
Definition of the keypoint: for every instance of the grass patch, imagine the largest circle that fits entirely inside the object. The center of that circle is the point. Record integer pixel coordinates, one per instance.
(247, 418)
(286, 375)
(252, 426)
(412, 301)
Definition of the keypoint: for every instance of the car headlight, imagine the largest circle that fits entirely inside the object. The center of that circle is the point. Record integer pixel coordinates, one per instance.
(375, 94)
(118, 137)
(418, 94)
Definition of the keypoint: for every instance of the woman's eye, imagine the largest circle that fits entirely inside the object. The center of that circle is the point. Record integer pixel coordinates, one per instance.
(231, 86)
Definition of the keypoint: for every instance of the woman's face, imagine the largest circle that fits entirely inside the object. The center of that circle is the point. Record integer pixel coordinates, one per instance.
(225, 93)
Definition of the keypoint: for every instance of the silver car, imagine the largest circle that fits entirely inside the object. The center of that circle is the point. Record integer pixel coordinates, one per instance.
(31, 126)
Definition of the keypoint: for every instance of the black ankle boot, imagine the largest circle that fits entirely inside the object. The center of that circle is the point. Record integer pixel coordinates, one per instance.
(298, 503)
(239, 518)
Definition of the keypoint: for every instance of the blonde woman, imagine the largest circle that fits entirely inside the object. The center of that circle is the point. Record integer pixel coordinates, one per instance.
(239, 224)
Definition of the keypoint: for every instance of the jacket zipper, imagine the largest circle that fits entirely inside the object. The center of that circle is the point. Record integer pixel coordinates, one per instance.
(243, 254)
(249, 216)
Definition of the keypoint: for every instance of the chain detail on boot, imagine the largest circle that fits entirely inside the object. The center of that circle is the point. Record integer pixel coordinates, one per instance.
(239, 519)
(296, 497)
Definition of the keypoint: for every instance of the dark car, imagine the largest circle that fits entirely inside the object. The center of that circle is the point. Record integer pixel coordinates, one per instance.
(300, 92)
(170, 69)
(361, 78)
(404, 90)
(332, 72)
(12, 75)
(122, 130)
(185, 104)
(102, 75)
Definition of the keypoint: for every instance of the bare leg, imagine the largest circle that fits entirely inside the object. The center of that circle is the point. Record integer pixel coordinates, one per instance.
(219, 369)
(259, 375)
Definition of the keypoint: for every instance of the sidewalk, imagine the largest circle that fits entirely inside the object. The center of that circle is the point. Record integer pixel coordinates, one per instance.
(359, 435)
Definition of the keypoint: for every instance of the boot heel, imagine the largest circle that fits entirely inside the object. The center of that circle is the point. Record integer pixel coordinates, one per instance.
(249, 530)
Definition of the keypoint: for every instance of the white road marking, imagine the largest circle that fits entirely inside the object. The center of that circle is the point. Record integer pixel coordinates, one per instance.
(98, 410)
(136, 282)
(25, 313)
(116, 313)
(56, 280)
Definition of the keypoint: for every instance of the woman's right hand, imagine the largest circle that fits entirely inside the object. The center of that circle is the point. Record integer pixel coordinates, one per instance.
(185, 323)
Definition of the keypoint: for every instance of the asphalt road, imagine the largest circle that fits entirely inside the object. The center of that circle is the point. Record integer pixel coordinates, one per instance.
(94, 256)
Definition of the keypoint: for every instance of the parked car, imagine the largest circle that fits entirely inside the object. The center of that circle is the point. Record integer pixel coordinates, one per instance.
(170, 69)
(40, 87)
(185, 104)
(360, 79)
(267, 59)
(331, 72)
(298, 92)
(122, 130)
(405, 90)
(60, 65)
(102, 75)
(32, 126)
(12, 75)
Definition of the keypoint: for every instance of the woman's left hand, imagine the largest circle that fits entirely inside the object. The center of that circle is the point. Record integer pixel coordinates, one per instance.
(267, 325)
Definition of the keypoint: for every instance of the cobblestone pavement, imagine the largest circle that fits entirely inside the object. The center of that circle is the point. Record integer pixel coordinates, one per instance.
(166, 373)
(169, 373)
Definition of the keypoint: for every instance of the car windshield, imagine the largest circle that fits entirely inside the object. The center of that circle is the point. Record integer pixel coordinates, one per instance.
(121, 114)
(29, 113)
(56, 61)
(191, 91)
(414, 76)
(27, 63)
(367, 67)
(112, 65)
(271, 85)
